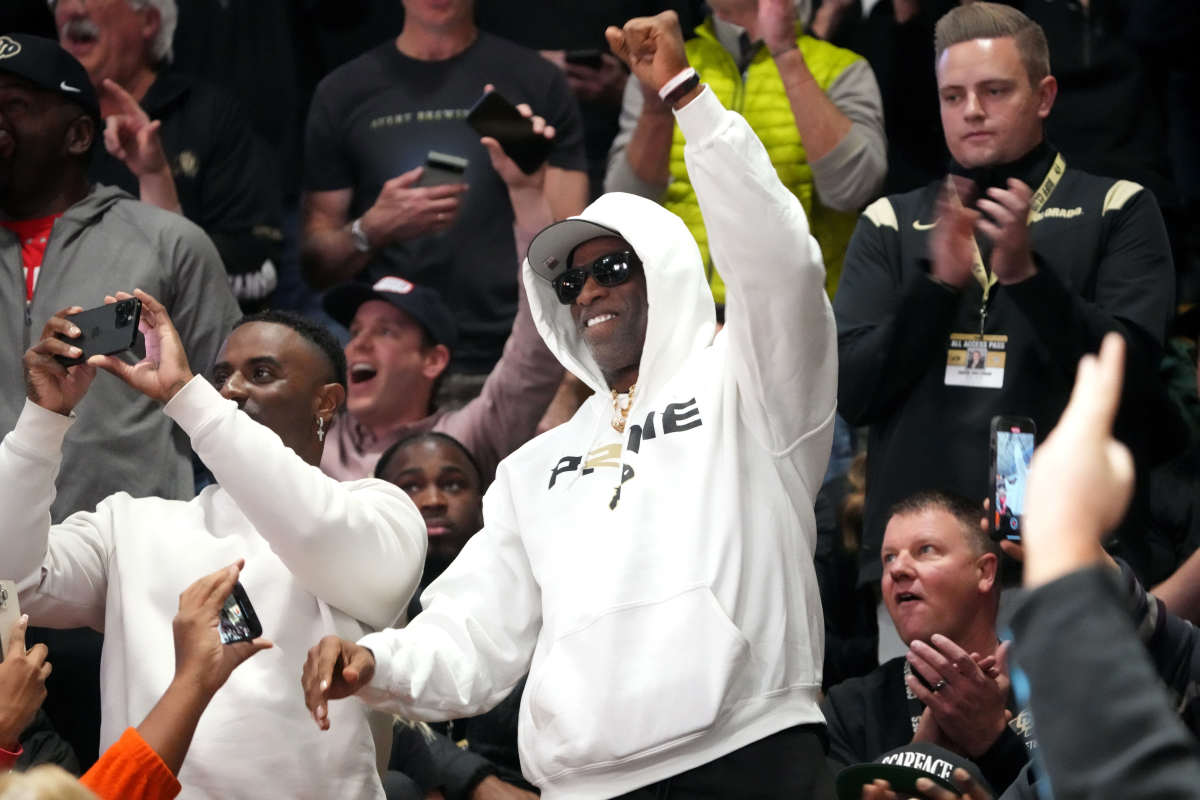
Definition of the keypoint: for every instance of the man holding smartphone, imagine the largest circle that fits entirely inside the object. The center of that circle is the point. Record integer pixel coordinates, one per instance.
(1016, 253)
(649, 562)
(63, 241)
(371, 125)
(322, 556)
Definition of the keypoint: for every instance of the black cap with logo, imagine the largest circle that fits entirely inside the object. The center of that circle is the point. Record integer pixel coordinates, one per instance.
(902, 767)
(422, 303)
(45, 64)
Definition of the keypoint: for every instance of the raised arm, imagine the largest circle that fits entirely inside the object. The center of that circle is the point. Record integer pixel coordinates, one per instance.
(842, 131)
(131, 137)
(777, 316)
(524, 380)
(639, 159)
(358, 546)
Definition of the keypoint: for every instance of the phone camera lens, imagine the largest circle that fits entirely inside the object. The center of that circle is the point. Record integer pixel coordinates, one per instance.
(124, 313)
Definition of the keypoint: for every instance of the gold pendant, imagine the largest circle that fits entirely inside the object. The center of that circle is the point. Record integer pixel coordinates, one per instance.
(618, 423)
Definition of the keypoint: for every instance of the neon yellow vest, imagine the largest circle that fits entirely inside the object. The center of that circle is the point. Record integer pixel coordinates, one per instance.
(762, 100)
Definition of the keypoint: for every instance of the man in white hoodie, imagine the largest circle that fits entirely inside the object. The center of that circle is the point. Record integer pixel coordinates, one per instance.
(649, 562)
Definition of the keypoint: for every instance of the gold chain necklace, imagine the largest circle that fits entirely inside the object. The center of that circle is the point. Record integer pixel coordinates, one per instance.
(621, 405)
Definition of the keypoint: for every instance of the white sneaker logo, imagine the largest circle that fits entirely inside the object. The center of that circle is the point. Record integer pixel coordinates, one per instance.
(66, 87)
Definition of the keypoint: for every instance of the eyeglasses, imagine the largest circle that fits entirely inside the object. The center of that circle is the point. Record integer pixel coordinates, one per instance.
(608, 271)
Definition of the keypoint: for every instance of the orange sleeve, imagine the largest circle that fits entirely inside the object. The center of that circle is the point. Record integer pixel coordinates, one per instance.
(131, 770)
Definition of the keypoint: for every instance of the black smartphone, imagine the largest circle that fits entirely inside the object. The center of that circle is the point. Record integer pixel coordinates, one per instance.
(492, 115)
(441, 169)
(238, 622)
(585, 58)
(1012, 442)
(111, 328)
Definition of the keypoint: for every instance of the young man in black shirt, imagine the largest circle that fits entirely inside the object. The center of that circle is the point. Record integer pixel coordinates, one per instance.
(1026, 256)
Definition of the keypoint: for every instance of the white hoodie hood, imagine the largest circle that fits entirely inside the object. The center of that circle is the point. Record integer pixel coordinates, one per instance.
(682, 316)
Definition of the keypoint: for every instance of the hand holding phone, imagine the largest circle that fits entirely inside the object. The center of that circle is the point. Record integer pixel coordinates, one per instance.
(494, 116)
(47, 382)
(106, 330)
(238, 622)
(442, 170)
(1012, 443)
(215, 630)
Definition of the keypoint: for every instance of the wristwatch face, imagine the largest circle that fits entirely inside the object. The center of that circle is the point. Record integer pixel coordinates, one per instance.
(360, 237)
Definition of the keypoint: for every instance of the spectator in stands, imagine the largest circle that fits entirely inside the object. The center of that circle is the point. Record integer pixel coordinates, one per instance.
(372, 123)
(442, 478)
(619, 550)
(402, 338)
(221, 176)
(324, 556)
(75, 242)
(941, 591)
(1063, 257)
(756, 58)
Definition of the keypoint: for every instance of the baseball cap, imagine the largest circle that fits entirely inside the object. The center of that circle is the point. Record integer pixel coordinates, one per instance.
(422, 303)
(550, 249)
(44, 63)
(903, 766)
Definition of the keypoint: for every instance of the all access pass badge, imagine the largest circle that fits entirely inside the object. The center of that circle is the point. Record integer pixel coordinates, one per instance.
(976, 360)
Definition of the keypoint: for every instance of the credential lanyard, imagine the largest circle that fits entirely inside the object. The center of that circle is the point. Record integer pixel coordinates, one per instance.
(986, 279)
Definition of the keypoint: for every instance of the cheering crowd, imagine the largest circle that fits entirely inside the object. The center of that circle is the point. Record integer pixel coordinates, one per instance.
(639, 439)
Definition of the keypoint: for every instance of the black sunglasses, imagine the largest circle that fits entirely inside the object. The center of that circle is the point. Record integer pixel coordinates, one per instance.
(608, 271)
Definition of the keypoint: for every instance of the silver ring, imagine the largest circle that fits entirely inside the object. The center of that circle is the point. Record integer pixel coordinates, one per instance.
(938, 685)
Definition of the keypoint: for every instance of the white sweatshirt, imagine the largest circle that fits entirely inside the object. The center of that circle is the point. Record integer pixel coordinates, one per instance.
(682, 621)
(322, 557)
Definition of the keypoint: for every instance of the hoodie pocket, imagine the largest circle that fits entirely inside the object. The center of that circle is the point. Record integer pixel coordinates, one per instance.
(637, 678)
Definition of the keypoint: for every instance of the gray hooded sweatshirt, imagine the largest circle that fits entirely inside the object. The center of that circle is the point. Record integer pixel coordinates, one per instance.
(109, 242)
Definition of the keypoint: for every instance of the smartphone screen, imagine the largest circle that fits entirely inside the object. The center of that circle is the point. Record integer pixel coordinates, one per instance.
(10, 612)
(1013, 448)
(238, 622)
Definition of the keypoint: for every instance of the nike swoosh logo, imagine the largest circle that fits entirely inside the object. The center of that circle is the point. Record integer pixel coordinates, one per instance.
(921, 226)
(66, 87)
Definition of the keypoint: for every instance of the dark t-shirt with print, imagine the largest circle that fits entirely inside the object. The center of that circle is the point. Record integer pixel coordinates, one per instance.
(379, 116)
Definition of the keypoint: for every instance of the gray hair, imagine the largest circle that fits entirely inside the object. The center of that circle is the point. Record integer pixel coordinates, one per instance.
(162, 49)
